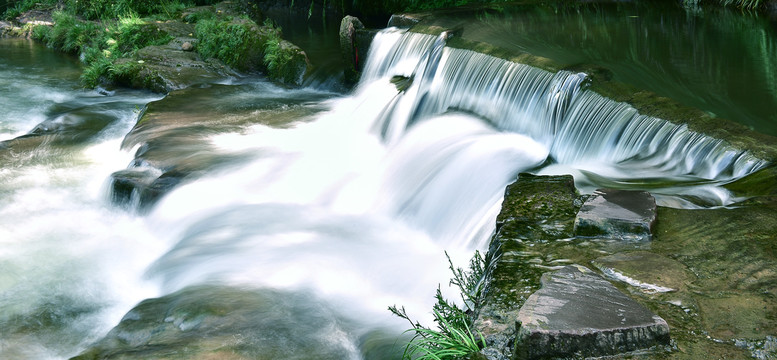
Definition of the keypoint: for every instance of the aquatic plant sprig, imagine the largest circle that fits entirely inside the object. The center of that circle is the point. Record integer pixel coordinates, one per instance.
(454, 337)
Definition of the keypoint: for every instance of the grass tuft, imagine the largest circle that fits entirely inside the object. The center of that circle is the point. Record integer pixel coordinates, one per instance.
(453, 337)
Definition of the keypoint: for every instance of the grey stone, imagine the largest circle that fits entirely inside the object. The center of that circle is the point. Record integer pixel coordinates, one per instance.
(617, 214)
(187, 46)
(578, 313)
(403, 20)
(355, 40)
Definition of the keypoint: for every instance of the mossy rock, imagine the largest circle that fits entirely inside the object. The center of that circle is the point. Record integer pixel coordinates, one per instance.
(219, 322)
(535, 209)
(539, 208)
(292, 66)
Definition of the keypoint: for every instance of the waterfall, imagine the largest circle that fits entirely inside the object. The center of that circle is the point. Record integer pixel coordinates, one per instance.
(349, 201)
(555, 109)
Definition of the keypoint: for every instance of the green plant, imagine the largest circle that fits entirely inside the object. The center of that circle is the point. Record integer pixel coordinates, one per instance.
(453, 338)
(236, 41)
(744, 4)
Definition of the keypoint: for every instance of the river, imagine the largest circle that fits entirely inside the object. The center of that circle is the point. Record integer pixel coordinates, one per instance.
(325, 206)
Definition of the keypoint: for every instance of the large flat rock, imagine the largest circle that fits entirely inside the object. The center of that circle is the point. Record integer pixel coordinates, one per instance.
(617, 214)
(578, 313)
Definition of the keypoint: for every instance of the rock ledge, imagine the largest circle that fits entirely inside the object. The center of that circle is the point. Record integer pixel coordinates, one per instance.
(578, 312)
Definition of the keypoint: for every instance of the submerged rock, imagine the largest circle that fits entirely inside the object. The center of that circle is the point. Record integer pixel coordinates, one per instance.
(218, 322)
(617, 214)
(648, 272)
(577, 313)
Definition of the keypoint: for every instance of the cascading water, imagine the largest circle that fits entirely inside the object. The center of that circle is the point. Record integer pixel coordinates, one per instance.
(350, 209)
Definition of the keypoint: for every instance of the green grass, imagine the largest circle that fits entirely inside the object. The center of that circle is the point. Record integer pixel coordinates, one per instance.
(453, 337)
(744, 4)
(235, 41)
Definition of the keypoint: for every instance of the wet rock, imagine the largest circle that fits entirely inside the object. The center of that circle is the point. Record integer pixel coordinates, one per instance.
(187, 46)
(760, 183)
(349, 47)
(355, 40)
(618, 214)
(535, 208)
(646, 271)
(403, 20)
(293, 69)
(577, 313)
(143, 187)
(539, 208)
(166, 68)
(217, 322)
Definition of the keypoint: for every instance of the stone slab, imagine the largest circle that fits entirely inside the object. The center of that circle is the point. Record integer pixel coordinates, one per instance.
(578, 313)
(618, 214)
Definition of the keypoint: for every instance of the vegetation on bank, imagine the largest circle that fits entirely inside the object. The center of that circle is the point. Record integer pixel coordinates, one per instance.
(107, 35)
(454, 337)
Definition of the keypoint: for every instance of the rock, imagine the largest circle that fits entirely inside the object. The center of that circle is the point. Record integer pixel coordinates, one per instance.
(647, 271)
(163, 69)
(617, 214)
(219, 322)
(187, 46)
(403, 20)
(293, 69)
(576, 313)
(539, 207)
(349, 47)
(535, 208)
(142, 187)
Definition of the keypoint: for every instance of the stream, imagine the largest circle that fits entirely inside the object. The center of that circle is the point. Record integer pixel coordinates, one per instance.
(311, 210)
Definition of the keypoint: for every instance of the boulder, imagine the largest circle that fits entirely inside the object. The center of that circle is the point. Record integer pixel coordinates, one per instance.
(577, 313)
(355, 40)
(166, 68)
(403, 20)
(142, 187)
(349, 48)
(617, 214)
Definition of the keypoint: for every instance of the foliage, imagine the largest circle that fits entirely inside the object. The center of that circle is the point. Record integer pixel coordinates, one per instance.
(233, 41)
(13, 9)
(70, 34)
(279, 59)
(100, 44)
(744, 4)
(453, 338)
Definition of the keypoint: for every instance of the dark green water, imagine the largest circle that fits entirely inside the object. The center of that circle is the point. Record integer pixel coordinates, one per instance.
(722, 61)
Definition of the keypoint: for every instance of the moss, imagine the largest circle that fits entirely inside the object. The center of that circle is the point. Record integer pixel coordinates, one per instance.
(238, 42)
(284, 61)
(759, 183)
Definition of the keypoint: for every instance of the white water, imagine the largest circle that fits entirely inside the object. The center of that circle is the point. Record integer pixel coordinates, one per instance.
(355, 207)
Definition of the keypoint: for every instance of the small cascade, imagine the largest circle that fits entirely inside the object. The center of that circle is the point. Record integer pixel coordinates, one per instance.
(580, 126)
(597, 129)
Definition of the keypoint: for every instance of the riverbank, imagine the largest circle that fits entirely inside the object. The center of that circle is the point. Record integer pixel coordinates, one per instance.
(171, 50)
